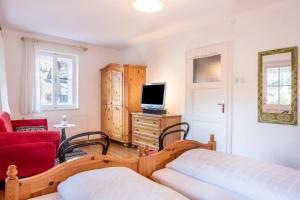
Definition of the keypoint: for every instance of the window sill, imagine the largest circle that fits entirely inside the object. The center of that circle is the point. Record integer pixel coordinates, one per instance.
(58, 109)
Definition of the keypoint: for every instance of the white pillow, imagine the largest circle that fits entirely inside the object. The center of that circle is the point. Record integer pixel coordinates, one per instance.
(253, 179)
(51, 196)
(193, 188)
(114, 183)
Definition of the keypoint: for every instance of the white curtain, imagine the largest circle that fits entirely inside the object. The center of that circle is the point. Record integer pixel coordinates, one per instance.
(30, 94)
(4, 106)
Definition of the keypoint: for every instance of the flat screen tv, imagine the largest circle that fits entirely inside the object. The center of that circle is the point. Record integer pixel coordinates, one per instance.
(153, 96)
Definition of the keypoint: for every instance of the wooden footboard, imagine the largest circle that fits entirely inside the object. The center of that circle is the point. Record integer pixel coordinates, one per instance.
(47, 182)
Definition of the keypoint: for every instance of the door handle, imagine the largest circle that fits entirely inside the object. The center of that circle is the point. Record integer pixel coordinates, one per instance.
(223, 106)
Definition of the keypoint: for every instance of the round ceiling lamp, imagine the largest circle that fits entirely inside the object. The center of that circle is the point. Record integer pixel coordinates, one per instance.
(148, 5)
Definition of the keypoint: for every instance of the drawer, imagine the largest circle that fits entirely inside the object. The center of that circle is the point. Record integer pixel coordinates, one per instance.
(142, 140)
(151, 132)
(145, 121)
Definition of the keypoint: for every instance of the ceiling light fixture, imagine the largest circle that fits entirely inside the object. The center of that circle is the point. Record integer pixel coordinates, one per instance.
(148, 5)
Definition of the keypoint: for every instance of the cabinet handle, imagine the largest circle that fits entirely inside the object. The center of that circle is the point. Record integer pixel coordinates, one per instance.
(154, 133)
(137, 140)
(154, 122)
(137, 129)
(117, 108)
(137, 120)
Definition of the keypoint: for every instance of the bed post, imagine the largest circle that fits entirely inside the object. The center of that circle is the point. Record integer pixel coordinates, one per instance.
(212, 142)
(12, 184)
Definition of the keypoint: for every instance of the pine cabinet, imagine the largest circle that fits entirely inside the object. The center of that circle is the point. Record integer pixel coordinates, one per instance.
(121, 87)
(146, 129)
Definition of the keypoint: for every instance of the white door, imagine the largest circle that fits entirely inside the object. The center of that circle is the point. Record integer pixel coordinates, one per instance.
(207, 90)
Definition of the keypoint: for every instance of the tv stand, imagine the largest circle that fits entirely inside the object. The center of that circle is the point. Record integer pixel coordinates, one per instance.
(155, 111)
(146, 129)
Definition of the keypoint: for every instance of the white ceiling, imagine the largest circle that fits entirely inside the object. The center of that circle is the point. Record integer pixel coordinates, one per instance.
(114, 23)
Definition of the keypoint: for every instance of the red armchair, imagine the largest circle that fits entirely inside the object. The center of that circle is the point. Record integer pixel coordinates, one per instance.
(32, 152)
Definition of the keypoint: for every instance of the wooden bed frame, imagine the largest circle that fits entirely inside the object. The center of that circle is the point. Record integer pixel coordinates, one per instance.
(45, 183)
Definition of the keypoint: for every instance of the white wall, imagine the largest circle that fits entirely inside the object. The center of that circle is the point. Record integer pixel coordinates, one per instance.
(266, 28)
(87, 117)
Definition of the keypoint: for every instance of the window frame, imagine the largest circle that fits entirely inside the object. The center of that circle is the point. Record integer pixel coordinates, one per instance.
(278, 86)
(55, 56)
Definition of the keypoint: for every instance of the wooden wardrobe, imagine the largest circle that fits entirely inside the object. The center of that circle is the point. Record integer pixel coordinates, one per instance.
(121, 89)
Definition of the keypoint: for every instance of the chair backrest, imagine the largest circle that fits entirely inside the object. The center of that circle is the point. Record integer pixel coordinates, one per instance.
(182, 127)
(65, 147)
(5, 122)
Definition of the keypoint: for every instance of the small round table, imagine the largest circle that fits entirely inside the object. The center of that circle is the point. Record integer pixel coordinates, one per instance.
(63, 130)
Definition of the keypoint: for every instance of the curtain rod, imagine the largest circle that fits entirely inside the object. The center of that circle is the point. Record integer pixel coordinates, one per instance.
(57, 43)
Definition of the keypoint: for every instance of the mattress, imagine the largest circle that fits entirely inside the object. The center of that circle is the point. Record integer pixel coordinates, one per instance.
(51, 196)
(192, 188)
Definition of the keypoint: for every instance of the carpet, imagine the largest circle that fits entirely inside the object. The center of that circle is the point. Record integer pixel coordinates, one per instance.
(76, 153)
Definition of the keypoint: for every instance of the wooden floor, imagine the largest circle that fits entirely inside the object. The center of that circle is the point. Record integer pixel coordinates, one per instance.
(115, 149)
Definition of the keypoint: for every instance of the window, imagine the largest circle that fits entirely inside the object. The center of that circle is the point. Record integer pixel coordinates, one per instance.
(207, 69)
(278, 85)
(58, 80)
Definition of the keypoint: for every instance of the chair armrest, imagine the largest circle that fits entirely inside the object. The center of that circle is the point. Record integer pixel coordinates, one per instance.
(11, 138)
(29, 122)
(30, 159)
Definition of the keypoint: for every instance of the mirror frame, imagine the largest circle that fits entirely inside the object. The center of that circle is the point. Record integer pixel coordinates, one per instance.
(278, 118)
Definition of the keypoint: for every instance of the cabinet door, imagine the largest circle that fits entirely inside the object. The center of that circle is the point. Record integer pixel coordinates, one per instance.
(107, 119)
(117, 121)
(106, 87)
(117, 87)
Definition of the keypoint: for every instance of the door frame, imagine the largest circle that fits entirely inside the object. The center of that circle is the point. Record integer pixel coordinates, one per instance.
(215, 49)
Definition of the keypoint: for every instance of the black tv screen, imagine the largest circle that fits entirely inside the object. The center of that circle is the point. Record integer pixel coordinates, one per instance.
(153, 95)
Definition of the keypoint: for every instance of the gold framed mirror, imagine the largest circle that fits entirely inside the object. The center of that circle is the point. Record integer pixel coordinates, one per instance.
(277, 86)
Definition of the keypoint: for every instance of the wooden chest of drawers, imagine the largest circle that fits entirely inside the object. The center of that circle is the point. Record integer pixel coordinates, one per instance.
(146, 129)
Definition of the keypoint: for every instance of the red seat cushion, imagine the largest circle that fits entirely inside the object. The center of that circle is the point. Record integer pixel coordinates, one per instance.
(5, 122)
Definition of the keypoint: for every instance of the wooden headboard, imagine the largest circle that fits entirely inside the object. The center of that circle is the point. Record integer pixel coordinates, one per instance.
(47, 182)
(149, 164)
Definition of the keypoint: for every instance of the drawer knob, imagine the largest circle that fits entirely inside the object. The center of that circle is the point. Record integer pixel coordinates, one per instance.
(154, 133)
(136, 139)
(154, 123)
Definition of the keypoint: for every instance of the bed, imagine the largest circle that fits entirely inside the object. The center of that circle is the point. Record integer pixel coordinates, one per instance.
(46, 186)
(185, 170)
(211, 175)
(108, 184)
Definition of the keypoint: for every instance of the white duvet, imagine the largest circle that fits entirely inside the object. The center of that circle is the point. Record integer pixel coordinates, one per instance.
(253, 179)
(116, 183)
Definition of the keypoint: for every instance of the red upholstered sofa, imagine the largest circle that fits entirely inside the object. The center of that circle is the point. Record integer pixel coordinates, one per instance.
(32, 152)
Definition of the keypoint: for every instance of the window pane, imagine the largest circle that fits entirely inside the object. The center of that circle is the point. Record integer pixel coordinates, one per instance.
(46, 79)
(272, 95)
(285, 95)
(207, 69)
(285, 76)
(272, 76)
(64, 83)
